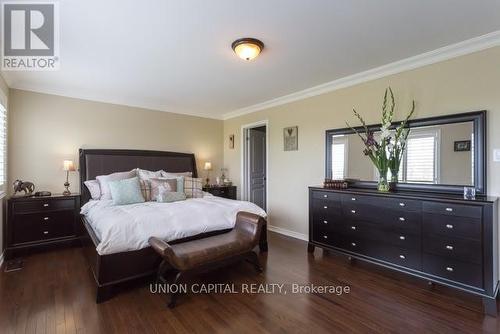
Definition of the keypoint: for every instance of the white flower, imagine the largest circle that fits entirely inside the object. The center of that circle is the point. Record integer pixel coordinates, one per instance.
(385, 133)
(390, 147)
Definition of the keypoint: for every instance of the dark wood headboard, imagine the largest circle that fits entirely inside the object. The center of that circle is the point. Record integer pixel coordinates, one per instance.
(95, 162)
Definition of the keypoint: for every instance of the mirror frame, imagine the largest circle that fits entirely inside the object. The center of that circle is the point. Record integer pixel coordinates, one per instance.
(479, 123)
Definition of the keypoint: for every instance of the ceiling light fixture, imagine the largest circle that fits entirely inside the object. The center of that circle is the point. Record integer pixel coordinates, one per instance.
(247, 48)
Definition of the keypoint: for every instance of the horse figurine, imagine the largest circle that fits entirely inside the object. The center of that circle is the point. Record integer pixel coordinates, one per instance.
(27, 187)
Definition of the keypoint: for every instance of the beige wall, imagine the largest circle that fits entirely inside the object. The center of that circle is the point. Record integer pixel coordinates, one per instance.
(46, 129)
(4, 95)
(459, 85)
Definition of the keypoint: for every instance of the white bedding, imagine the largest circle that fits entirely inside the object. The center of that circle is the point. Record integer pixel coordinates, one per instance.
(128, 227)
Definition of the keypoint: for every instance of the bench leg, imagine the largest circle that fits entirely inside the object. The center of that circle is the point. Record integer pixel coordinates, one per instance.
(263, 239)
(173, 296)
(254, 260)
(161, 271)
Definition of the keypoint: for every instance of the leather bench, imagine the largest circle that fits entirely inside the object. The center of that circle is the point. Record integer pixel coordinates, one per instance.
(209, 253)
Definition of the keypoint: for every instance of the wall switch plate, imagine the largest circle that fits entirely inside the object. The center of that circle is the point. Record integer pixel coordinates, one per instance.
(496, 155)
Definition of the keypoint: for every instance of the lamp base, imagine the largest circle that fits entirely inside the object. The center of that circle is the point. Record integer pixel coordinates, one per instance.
(66, 192)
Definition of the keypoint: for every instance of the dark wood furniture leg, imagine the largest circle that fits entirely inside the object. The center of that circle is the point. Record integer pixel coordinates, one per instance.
(253, 258)
(490, 306)
(103, 294)
(263, 239)
(310, 248)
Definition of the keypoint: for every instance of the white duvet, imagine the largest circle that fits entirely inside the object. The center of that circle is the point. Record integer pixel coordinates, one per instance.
(123, 228)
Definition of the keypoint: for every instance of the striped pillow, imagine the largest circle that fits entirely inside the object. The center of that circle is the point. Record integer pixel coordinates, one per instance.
(193, 187)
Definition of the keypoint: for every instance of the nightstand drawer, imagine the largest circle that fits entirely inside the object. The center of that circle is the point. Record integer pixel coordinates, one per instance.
(42, 226)
(22, 207)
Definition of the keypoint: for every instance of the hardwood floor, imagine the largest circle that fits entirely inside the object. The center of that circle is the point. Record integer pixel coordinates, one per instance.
(54, 293)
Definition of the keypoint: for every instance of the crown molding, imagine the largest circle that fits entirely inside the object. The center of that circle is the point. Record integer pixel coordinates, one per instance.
(435, 56)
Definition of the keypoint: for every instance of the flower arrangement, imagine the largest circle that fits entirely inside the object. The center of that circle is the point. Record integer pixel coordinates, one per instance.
(386, 153)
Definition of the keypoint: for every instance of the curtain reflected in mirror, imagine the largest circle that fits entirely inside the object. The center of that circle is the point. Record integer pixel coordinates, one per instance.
(438, 154)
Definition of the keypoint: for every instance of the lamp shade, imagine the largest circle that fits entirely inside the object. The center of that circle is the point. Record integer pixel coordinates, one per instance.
(208, 166)
(68, 166)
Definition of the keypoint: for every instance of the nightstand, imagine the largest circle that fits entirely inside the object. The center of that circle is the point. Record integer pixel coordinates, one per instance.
(39, 222)
(222, 191)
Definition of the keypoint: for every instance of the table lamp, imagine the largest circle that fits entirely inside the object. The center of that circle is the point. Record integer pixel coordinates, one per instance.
(208, 168)
(68, 166)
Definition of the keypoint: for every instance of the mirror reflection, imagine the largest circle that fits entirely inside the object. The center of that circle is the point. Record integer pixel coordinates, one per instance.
(439, 154)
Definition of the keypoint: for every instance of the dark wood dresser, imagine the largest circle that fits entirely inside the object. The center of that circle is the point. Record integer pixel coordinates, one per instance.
(222, 191)
(441, 238)
(36, 222)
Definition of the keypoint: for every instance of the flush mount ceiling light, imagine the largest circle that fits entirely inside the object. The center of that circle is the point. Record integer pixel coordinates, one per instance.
(247, 48)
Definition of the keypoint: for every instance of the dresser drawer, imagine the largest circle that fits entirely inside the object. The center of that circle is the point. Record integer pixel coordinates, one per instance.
(326, 195)
(402, 205)
(42, 226)
(372, 232)
(453, 209)
(43, 205)
(466, 273)
(452, 226)
(454, 248)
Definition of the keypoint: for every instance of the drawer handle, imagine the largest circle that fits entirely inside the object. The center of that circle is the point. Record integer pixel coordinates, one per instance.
(402, 237)
(325, 207)
(402, 257)
(353, 227)
(45, 204)
(448, 247)
(325, 237)
(449, 226)
(45, 232)
(353, 198)
(402, 219)
(353, 211)
(353, 244)
(45, 218)
(449, 209)
(450, 269)
(325, 221)
(402, 204)
(325, 196)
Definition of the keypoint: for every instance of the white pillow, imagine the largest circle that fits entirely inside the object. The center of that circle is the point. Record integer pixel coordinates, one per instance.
(173, 175)
(147, 174)
(105, 179)
(94, 188)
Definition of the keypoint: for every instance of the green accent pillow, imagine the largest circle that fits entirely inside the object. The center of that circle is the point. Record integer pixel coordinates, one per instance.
(126, 191)
(171, 196)
(180, 184)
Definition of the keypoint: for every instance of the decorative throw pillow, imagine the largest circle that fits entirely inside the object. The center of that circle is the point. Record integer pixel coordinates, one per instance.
(171, 196)
(166, 185)
(172, 175)
(105, 179)
(144, 178)
(94, 189)
(193, 187)
(147, 174)
(126, 191)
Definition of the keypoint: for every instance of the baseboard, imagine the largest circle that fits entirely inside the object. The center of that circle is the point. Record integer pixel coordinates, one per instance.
(288, 233)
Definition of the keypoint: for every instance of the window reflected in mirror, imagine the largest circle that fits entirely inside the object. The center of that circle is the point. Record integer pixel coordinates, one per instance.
(439, 154)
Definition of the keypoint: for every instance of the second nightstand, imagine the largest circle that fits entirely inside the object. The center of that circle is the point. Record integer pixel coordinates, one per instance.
(222, 191)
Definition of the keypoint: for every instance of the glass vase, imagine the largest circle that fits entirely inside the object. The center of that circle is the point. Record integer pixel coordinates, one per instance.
(394, 180)
(383, 185)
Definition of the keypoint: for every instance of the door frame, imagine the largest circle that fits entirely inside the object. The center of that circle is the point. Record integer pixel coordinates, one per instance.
(245, 175)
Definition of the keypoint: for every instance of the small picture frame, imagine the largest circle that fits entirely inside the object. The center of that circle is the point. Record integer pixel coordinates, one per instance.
(469, 193)
(231, 142)
(291, 138)
(462, 146)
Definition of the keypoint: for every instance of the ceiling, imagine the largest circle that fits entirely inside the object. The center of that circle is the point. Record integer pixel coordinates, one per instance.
(176, 55)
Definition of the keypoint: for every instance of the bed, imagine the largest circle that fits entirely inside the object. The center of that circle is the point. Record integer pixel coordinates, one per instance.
(110, 270)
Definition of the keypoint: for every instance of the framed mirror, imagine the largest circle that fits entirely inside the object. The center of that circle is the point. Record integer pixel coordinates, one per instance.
(443, 154)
